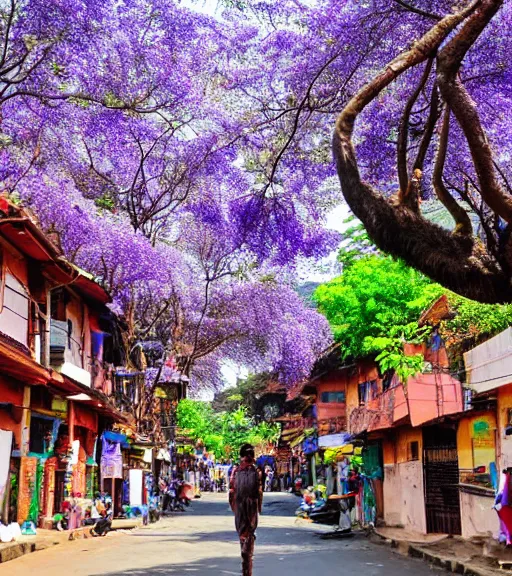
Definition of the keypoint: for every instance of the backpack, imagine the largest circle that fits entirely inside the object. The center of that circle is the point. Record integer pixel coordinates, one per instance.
(247, 483)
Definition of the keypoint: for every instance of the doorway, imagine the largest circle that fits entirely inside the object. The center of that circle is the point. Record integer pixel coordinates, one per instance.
(58, 497)
(441, 479)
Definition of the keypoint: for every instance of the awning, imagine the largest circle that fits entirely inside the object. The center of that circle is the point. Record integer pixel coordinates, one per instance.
(18, 365)
(94, 399)
(334, 440)
(86, 418)
(114, 437)
(30, 240)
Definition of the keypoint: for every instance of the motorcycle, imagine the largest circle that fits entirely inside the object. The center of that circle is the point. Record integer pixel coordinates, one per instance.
(173, 501)
(317, 508)
(327, 512)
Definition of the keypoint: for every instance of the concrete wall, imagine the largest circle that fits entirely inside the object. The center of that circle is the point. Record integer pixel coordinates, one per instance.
(477, 516)
(404, 500)
(80, 353)
(404, 437)
(14, 309)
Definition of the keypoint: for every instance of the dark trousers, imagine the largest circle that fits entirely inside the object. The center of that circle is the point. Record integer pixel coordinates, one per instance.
(102, 526)
(247, 548)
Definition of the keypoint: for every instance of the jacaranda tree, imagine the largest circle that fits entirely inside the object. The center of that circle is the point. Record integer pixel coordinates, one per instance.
(116, 131)
(186, 158)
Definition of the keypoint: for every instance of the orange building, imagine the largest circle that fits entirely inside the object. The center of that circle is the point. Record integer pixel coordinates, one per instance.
(53, 387)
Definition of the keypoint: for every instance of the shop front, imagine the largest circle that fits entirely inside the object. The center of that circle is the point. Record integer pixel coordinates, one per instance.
(477, 452)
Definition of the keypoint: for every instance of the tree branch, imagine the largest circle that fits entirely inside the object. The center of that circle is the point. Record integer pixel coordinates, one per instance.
(462, 221)
(403, 131)
(7, 33)
(430, 126)
(410, 8)
(456, 96)
(453, 260)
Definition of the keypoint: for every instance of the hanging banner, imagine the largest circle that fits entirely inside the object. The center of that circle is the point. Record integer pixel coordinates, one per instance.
(333, 440)
(111, 465)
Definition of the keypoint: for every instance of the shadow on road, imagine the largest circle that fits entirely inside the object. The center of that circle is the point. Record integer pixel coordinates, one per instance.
(266, 535)
(290, 563)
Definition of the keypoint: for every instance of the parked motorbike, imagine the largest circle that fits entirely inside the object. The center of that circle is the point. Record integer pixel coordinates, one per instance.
(173, 501)
(327, 512)
(319, 509)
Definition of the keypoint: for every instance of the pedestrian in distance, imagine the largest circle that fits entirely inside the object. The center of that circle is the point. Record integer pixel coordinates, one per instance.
(246, 499)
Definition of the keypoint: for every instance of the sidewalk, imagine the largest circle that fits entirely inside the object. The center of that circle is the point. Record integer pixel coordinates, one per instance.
(48, 538)
(476, 557)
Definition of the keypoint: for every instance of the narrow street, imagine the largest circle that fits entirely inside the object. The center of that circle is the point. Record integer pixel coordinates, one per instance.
(202, 541)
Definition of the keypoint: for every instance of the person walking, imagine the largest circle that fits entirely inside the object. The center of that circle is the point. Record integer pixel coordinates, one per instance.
(246, 499)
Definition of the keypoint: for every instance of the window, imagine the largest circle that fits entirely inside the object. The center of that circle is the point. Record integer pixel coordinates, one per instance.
(368, 391)
(15, 310)
(41, 430)
(333, 397)
(413, 451)
(388, 380)
(468, 399)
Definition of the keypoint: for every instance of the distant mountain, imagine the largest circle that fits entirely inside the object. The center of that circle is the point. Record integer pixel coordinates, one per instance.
(305, 291)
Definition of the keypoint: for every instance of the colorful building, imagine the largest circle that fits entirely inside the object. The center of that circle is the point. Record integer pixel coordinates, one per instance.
(56, 351)
(485, 443)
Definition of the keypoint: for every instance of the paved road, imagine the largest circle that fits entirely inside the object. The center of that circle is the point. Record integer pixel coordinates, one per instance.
(202, 542)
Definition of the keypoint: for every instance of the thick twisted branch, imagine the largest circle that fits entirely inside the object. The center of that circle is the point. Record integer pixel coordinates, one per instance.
(453, 260)
(403, 131)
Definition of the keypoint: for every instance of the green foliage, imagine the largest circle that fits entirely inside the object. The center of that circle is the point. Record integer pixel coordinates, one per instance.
(245, 393)
(376, 297)
(105, 202)
(223, 433)
(374, 307)
(393, 358)
(474, 322)
(356, 243)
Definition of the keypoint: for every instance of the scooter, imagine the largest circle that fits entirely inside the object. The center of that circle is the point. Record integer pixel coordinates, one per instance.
(174, 503)
(327, 513)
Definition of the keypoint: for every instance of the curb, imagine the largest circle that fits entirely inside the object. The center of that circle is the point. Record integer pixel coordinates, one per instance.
(448, 564)
(19, 549)
(16, 551)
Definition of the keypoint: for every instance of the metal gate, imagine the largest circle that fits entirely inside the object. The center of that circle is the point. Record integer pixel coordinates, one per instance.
(441, 469)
